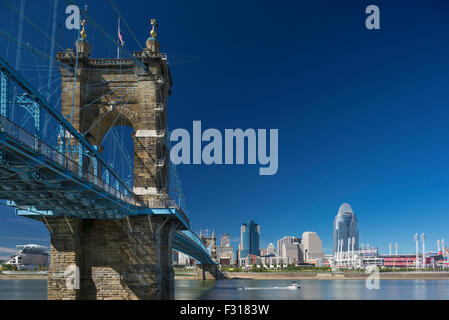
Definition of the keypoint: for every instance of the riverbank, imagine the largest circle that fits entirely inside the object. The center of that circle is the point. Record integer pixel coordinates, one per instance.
(288, 276)
(338, 276)
(23, 277)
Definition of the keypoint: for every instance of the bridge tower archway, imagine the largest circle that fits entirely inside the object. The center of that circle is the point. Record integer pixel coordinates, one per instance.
(101, 94)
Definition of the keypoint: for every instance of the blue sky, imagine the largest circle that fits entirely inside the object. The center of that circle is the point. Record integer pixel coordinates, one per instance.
(362, 115)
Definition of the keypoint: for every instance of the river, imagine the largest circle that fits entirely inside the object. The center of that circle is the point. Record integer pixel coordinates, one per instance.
(267, 290)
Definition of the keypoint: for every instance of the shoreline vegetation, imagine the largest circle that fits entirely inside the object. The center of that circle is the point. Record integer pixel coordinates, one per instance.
(23, 276)
(409, 275)
(426, 275)
(321, 273)
(284, 275)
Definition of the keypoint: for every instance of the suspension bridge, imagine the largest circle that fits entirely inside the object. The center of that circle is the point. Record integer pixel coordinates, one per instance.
(86, 152)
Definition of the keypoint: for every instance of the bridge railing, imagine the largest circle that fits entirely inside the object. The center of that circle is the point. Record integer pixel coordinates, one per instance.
(167, 203)
(67, 131)
(193, 237)
(29, 140)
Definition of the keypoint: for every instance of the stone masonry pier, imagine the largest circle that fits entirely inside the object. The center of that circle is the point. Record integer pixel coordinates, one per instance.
(126, 259)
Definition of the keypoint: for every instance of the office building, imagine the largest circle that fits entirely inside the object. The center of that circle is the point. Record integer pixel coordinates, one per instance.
(285, 240)
(249, 239)
(312, 246)
(294, 252)
(346, 230)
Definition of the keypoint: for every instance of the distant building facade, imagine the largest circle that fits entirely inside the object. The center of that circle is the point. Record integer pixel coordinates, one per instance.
(182, 259)
(404, 261)
(175, 257)
(357, 259)
(29, 257)
(249, 260)
(249, 239)
(294, 252)
(268, 252)
(225, 240)
(312, 247)
(282, 242)
(225, 253)
(345, 228)
(210, 243)
(271, 251)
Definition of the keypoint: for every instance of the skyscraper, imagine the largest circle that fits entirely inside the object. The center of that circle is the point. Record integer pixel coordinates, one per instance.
(345, 228)
(249, 239)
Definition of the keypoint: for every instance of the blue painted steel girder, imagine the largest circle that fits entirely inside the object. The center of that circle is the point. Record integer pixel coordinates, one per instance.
(34, 95)
(4, 94)
(186, 242)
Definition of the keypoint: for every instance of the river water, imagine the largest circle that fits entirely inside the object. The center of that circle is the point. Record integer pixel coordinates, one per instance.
(267, 290)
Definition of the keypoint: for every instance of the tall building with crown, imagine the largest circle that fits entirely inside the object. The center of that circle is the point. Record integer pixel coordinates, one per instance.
(346, 230)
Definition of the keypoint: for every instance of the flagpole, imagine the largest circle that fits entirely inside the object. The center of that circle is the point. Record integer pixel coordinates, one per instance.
(118, 46)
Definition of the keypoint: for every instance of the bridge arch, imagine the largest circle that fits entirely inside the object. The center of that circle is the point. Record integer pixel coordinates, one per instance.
(115, 92)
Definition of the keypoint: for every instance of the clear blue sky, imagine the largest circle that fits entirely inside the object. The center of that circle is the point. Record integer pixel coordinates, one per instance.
(362, 115)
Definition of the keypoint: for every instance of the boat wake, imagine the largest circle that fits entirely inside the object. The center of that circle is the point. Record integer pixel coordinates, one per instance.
(270, 288)
(293, 286)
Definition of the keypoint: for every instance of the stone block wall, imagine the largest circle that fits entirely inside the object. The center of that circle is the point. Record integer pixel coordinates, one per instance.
(116, 260)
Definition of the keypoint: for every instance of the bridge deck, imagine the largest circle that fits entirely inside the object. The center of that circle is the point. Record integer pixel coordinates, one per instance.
(42, 181)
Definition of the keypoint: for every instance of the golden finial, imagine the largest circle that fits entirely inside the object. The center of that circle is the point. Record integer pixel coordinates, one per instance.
(153, 31)
(83, 32)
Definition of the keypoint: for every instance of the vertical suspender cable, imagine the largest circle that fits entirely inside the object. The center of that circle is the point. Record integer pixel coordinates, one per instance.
(52, 50)
(19, 51)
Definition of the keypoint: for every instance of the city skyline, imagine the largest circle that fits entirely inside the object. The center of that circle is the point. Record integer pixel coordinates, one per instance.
(361, 115)
(345, 208)
(234, 241)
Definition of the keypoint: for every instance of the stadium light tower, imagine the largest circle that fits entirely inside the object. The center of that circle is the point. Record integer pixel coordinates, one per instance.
(423, 240)
(417, 251)
(353, 246)
(442, 246)
(396, 246)
(390, 246)
(341, 250)
(439, 248)
(349, 249)
(338, 252)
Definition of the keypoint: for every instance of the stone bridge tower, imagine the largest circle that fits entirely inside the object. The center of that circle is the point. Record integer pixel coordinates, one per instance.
(117, 92)
(129, 258)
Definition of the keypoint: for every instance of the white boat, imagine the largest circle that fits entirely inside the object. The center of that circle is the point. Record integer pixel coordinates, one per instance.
(294, 286)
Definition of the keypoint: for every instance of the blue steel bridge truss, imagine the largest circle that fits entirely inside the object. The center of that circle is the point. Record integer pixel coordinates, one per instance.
(40, 180)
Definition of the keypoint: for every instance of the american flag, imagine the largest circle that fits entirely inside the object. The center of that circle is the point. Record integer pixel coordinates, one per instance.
(120, 37)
